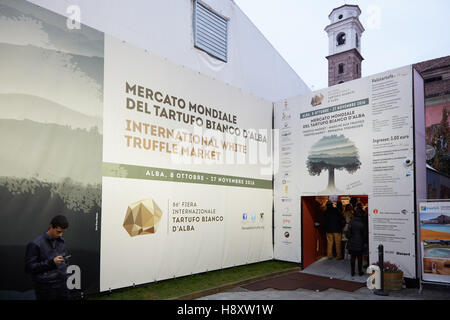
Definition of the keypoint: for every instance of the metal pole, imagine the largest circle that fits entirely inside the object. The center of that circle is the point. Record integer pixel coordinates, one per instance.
(381, 292)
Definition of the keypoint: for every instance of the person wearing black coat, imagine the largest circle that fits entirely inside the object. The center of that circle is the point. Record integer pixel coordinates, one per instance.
(333, 222)
(357, 237)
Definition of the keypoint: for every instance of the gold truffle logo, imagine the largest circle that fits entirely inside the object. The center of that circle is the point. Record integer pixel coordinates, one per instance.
(142, 218)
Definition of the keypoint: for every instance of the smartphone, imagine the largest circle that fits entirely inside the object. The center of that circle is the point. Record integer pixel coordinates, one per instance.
(67, 257)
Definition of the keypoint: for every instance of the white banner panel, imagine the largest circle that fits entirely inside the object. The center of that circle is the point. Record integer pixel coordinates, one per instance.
(355, 138)
(187, 174)
(287, 181)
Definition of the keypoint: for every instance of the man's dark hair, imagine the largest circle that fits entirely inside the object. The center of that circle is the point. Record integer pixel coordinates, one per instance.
(329, 205)
(60, 221)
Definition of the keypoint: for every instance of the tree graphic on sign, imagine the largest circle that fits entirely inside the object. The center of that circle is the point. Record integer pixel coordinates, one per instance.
(333, 153)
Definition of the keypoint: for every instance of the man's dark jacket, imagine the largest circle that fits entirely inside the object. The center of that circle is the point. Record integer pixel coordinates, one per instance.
(332, 220)
(39, 260)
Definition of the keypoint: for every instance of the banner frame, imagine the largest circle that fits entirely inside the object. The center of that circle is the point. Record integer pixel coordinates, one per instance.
(419, 245)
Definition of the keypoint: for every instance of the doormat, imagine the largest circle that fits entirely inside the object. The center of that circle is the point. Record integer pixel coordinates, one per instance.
(299, 280)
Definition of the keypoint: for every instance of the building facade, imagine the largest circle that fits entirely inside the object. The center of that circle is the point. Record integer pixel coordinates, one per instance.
(436, 74)
(92, 62)
(168, 30)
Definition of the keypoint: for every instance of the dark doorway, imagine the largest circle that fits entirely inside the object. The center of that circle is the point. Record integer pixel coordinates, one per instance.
(314, 244)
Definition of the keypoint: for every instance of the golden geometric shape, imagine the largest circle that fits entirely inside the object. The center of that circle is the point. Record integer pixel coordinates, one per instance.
(142, 217)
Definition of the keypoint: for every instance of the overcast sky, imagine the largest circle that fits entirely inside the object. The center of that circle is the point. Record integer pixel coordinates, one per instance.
(398, 32)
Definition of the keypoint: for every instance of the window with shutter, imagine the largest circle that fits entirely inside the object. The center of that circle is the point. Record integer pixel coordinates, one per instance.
(210, 31)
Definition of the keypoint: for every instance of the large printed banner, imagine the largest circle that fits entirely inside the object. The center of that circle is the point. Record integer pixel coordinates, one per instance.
(187, 181)
(171, 167)
(51, 110)
(354, 138)
(435, 240)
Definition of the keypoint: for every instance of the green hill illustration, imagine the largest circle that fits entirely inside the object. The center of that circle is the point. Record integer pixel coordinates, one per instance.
(74, 154)
(23, 106)
(34, 21)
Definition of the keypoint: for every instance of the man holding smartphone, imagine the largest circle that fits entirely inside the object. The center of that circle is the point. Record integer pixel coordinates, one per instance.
(45, 262)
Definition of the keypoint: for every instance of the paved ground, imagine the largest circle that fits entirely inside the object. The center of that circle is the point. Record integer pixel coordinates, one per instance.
(428, 293)
(338, 269)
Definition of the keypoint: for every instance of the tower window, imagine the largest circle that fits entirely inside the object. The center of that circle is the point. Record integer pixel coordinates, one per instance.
(357, 41)
(340, 39)
(357, 69)
(341, 68)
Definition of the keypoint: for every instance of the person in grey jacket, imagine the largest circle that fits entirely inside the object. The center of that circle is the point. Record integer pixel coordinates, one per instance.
(356, 239)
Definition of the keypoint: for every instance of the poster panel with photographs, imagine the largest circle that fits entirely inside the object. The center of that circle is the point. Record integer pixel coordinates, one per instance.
(435, 240)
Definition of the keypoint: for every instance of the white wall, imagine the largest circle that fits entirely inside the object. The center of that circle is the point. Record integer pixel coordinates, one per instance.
(165, 28)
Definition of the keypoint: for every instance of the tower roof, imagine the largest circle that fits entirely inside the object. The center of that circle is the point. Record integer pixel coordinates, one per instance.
(350, 14)
(345, 5)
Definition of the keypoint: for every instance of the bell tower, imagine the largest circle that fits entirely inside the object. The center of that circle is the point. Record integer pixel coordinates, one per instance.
(344, 34)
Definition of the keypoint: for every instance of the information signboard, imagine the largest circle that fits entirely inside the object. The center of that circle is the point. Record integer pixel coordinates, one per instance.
(434, 226)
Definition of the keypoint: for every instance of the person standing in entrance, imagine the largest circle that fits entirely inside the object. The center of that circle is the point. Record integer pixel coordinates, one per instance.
(44, 260)
(333, 223)
(348, 216)
(356, 235)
